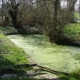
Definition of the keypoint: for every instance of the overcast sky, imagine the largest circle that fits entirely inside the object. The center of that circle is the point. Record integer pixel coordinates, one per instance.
(64, 4)
(0, 1)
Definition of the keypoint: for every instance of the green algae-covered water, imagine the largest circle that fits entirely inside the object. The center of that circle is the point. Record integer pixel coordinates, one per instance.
(56, 57)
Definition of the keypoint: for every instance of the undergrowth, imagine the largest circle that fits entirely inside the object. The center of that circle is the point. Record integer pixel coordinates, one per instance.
(72, 31)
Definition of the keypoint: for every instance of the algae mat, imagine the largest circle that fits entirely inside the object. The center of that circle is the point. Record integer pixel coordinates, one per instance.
(56, 57)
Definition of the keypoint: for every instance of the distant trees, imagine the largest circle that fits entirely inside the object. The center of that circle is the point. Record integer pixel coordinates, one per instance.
(21, 13)
(18, 11)
(45, 13)
(16, 15)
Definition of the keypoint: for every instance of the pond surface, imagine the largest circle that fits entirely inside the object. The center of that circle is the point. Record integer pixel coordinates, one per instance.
(56, 57)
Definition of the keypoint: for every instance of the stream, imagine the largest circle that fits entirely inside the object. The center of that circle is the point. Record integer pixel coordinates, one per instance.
(53, 56)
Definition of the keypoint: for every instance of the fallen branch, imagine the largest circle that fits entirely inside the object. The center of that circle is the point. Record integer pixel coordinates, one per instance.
(42, 67)
(9, 66)
(53, 71)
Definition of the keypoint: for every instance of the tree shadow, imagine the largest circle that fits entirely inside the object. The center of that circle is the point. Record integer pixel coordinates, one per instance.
(6, 68)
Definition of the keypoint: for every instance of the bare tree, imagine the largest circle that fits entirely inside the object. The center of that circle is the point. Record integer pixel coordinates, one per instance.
(46, 13)
(54, 19)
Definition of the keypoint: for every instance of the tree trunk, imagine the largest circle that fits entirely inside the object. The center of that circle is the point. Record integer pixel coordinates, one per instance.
(71, 6)
(54, 32)
(2, 10)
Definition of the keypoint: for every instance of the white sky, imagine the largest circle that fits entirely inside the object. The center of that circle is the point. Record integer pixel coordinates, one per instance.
(63, 4)
(77, 4)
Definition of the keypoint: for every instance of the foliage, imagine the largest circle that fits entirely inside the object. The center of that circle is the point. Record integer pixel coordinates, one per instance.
(76, 15)
(13, 12)
(7, 30)
(72, 31)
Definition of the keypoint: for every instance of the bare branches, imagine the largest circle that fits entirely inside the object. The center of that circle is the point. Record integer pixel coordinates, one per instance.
(47, 13)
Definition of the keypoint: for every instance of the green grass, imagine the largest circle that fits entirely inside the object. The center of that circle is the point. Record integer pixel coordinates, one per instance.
(11, 55)
(11, 52)
(76, 14)
(72, 31)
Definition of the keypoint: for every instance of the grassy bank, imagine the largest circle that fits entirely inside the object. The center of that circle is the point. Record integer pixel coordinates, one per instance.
(11, 55)
(10, 52)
